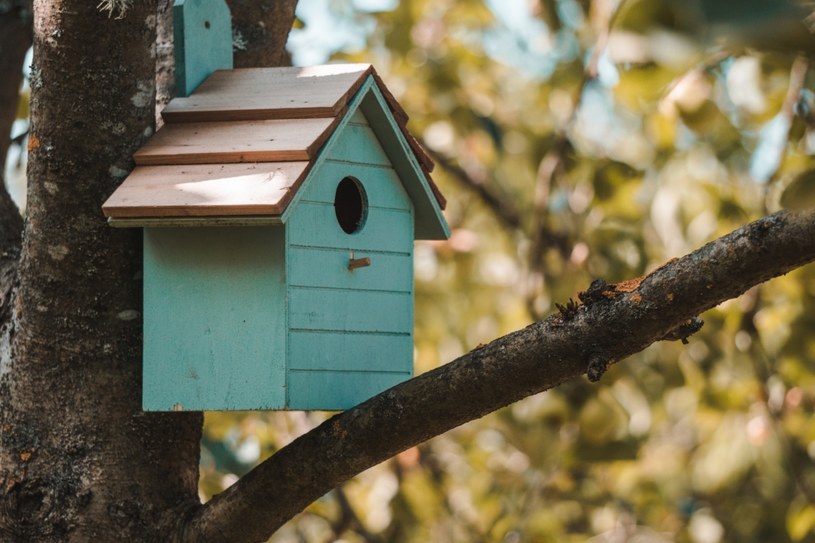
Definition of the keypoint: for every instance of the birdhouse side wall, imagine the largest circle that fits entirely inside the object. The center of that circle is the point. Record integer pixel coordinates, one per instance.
(214, 318)
(350, 330)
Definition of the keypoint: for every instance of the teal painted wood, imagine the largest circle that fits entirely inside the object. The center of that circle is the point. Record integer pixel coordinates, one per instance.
(335, 391)
(315, 224)
(350, 310)
(352, 330)
(349, 352)
(429, 219)
(381, 184)
(214, 318)
(202, 32)
(351, 108)
(310, 267)
(357, 117)
(359, 144)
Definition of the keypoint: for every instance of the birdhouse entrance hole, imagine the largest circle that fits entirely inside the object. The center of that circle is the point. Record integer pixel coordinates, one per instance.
(350, 205)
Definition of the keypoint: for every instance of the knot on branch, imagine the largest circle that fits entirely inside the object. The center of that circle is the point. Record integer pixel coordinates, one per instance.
(683, 331)
(596, 368)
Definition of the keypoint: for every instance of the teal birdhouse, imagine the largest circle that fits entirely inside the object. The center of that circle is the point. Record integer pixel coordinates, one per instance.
(279, 209)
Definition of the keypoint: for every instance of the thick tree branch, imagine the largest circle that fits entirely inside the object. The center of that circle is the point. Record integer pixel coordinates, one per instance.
(614, 322)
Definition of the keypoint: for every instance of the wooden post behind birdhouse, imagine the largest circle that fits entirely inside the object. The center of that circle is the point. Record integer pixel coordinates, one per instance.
(202, 32)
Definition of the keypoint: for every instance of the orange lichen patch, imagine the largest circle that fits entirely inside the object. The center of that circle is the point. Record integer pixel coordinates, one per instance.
(33, 142)
(635, 298)
(629, 285)
(25, 456)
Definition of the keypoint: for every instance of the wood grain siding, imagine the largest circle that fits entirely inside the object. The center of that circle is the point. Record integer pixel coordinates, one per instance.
(315, 225)
(328, 268)
(320, 351)
(343, 389)
(351, 331)
(354, 311)
(359, 144)
(214, 318)
(381, 183)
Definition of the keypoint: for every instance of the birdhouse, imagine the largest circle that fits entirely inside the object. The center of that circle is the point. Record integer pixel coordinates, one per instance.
(279, 209)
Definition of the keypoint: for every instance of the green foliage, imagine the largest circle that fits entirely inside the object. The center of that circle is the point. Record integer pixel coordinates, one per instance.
(673, 143)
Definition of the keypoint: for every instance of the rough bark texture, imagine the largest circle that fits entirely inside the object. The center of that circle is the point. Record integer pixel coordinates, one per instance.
(79, 460)
(613, 322)
(260, 30)
(165, 59)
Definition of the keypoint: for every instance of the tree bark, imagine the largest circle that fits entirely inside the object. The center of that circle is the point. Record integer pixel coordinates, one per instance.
(612, 323)
(260, 31)
(79, 460)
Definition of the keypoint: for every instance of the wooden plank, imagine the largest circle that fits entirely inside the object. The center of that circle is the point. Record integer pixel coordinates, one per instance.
(206, 190)
(337, 391)
(350, 352)
(189, 222)
(202, 34)
(430, 222)
(238, 141)
(309, 267)
(359, 144)
(270, 93)
(350, 310)
(315, 225)
(214, 318)
(382, 186)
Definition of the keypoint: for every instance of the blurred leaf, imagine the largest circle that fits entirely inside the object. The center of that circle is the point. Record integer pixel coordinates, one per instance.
(800, 193)
(800, 521)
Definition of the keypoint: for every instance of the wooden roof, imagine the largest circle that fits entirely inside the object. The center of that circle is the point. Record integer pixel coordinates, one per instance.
(243, 142)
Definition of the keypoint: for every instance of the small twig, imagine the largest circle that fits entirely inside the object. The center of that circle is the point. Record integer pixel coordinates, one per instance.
(350, 520)
(798, 74)
(502, 207)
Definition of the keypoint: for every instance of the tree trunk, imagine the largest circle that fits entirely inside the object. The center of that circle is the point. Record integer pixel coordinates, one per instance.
(80, 460)
(260, 31)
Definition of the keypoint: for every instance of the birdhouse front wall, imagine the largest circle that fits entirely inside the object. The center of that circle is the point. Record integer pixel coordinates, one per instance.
(350, 329)
(214, 318)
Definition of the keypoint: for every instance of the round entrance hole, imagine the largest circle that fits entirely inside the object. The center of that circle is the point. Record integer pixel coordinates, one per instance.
(351, 205)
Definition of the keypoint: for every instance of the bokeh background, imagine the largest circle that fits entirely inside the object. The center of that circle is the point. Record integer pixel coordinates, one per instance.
(574, 140)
